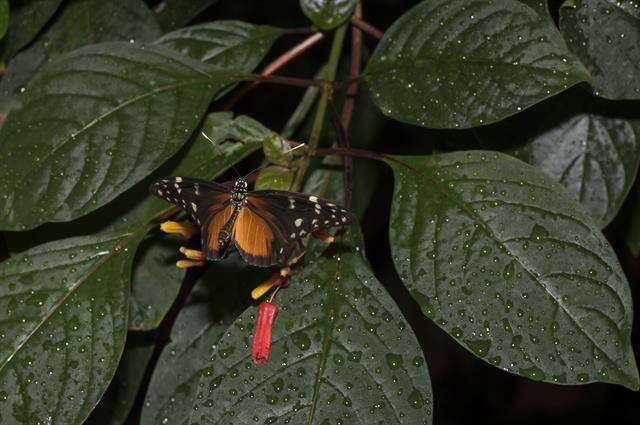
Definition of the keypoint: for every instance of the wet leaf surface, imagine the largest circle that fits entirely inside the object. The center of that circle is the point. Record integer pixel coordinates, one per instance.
(116, 404)
(341, 351)
(605, 35)
(27, 19)
(218, 298)
(63, 321)
(80, 22)
(328, 14)
(174, 14)
(589, 145)
(464, 63)
(226, 45)
(502, 259)
(96, 122)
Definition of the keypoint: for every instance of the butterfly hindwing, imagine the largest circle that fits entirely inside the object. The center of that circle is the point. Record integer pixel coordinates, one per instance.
(208, 204)
(291, 217)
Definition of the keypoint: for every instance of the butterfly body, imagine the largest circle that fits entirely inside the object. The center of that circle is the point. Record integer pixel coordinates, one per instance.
(267, 227)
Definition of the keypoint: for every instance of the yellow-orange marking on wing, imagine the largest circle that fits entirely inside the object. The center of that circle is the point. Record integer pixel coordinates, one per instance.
(252, 234)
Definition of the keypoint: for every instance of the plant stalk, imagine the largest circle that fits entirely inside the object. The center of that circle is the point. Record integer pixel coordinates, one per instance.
(318, 122)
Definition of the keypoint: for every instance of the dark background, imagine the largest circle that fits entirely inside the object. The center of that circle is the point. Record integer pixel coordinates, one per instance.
(466, 389)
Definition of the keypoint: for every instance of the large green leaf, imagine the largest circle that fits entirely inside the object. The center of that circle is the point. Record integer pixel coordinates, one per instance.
(174, 14)
(155, 281)
(505, 261)
(341, 352)
(328, 14)
(217, 299)
(27, 19)
(97, 121)
(464, 63)
(226, 45)
(116, 404)
(63, 320)
(589, 145)
(79, 23)
(605, 35)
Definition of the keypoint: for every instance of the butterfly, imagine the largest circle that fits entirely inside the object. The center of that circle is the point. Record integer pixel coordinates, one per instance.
(267, 227)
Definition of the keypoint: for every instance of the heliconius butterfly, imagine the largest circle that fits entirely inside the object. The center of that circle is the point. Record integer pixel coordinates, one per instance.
(267, 227)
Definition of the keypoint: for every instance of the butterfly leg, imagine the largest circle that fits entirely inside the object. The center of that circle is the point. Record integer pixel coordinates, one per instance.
(183, 228)
(195, 258)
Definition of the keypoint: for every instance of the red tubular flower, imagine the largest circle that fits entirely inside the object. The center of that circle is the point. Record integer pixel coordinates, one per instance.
(267, 312)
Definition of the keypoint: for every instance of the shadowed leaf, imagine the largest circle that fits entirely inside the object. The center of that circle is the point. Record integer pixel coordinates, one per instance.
(605, 36)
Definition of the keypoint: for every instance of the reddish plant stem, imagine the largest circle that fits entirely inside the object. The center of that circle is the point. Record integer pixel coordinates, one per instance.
(367, 27)
(292, 53)
(354, 71)
(288, 81)
(278, 63)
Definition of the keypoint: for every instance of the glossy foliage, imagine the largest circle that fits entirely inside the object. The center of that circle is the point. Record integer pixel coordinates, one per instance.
(327, 14)
(63, 325)
(86, 113)
(456, 64)
(79, 23)
(501, 258)
(341, 351)
(605, 35)
(226, 45)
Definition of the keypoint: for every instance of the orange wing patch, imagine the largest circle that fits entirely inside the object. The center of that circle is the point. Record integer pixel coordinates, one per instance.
(252, 234)
(218, 220)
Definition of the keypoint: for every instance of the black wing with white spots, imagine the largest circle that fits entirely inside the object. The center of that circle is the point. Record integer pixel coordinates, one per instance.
(294, 216)
(196, 197)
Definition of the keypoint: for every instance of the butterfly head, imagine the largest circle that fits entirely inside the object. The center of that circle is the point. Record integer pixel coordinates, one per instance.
(239, 192)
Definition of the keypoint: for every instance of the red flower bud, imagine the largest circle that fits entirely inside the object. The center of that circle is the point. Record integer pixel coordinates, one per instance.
(267, 312)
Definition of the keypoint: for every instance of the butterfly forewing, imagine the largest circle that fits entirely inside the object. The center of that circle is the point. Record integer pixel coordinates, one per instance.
(208, 203)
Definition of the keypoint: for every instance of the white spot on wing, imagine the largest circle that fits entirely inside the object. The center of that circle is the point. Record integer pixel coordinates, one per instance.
(313, 198)
(298, 222)
(195, 207)
(179, 179)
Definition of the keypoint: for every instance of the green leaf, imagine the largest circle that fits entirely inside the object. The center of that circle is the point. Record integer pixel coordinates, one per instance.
(217, 299)
(605, 36)
(4, 17)
(116, 404)
(589, 145)
(341, 351)
(328, 14)
(275, 177)
(63, 321)
(199, 158)
(96, 122)
(226, 45)
(81, 22)
(464, 63)
(174, 14)
(506, 262)
(155, 281)
(27, 19)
